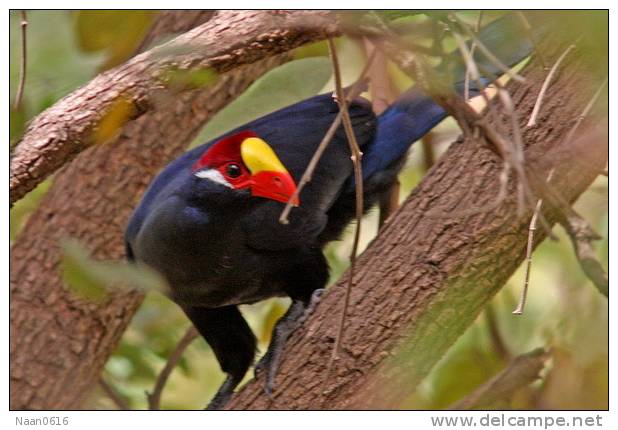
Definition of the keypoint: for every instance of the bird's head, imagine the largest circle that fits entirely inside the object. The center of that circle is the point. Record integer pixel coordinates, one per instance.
(244, 161)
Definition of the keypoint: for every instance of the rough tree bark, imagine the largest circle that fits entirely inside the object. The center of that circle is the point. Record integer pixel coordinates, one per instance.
(228, 40)
(422, 283)
(430, 272)
(58, 343)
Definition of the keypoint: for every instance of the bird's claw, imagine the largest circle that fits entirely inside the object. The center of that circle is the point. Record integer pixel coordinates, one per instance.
(269, 363)
(264, 367)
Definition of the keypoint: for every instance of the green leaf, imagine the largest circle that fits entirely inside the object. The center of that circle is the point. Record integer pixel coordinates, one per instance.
(93, 279)
(285, 85)
(115, 32)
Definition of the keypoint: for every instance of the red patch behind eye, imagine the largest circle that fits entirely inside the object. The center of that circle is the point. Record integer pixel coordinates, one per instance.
(224, 151)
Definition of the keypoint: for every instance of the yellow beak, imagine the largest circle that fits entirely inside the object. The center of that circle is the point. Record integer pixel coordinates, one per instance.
(270, 178)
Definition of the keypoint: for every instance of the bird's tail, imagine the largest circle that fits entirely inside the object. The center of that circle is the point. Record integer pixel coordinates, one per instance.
(414, 113)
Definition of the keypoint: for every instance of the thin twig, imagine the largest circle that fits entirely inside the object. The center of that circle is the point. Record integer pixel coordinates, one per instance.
(154, 398)
(330, 133)
(582, 235)
(477, 27)
(519, 163)
(531, 229)
(497, 339)
(586, 110)
(514, 154)
(389, 202)
(381, 89)
(521, 372)
(429, 157)
(113, 395)
(550, 75)
(530, 36)
(580, 232)
(356, 156)
(382, 96)
(486, 52)
(555, 199)
(22, 65)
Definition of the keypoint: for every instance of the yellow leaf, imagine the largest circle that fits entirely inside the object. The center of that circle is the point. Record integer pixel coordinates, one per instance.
(113, 119)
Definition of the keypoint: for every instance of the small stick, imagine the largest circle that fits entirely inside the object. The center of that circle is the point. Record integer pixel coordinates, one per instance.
(486, 52)
(313, 163)
(154, 398)
(550, 75)
(586, 110)
(477, 27)
(389, 202)
(358, 177)
(515, 149)
(582, 235)
(530, 36)
(523, 188)
(531, 229)
(113, 395)
(520, 372)
(22, 65)
(496, 337)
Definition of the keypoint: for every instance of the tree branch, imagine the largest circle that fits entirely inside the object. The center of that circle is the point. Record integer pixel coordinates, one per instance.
(59, 342)
(24, 61)
(424, 281)
(113, 395)
(154, 398)
(228, 40)
(521, 372)
(582, 235)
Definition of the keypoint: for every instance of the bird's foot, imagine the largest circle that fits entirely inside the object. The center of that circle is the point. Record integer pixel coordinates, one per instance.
(294, 317)
(316, 298)
(224, 394)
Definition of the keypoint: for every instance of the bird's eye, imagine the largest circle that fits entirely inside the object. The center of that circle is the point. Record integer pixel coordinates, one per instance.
(233, 170)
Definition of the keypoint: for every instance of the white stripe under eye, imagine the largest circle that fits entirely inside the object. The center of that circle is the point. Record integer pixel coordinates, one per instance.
(213, 175)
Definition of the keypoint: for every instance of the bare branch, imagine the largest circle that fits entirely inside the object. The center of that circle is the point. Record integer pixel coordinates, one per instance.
(530, 244)
(477, 27)
(521, 372)
(582, 235)
(382, 95)
(228, 40)
(530, 36)
(154, 398)
(23, 63)
(389, 202)
(90, 200)
(497, 339)
(381, 90)
(330, 133)
(113, 395)
(356, 156)
(586, 110)
(419, 270)
(486, 52)
(550, 75)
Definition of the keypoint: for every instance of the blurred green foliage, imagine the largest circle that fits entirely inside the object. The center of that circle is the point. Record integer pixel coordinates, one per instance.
(276, 89)
(564, 310)
(114, 32)
(92, 279)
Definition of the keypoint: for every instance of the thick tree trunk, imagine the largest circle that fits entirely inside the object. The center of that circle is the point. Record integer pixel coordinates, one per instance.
(430, 272)
(59, 343)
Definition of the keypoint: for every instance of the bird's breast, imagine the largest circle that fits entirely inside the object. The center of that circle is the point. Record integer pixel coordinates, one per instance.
(204, 257)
